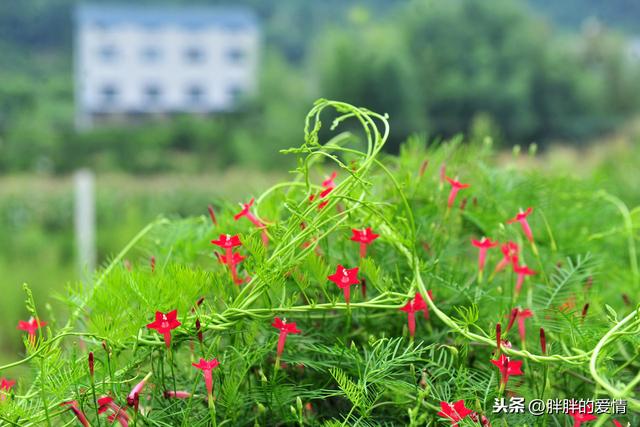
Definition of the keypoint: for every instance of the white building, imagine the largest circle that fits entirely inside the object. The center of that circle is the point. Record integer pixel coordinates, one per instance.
(132, 61)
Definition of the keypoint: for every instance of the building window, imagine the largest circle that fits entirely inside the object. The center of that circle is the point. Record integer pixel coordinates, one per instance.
(152, 25)
(152, 94)
(194, 55)
(151, 54)
(108, 53)
(234, 26)
(234, 92)
(103, 26)
(235, 55)
(195, 95)
(109, 94)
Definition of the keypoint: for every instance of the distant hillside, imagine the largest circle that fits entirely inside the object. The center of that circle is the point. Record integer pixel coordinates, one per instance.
(289, 24)
(620, 14)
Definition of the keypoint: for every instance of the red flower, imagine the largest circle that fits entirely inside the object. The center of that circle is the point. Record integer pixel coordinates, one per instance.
(344, 278)
(152, 262)
(328, 183)
(328, 186)
(512, 318)
(522, 272)
(455, 412)
(170, 394)
(119, 413)
(521, 217)
(285, 328)
(482, 419)
(324, 193)
(251, 217)
(31, 326)
(228, 243)
(246, 212)
(510, 252)
(520, 316)
(416, 304)
(105, 403)
(236, 258)
(164, 324)
(426, 306)
(483, 245)
(508, 368)
(617, 423)
(134, 396)
(365, 237)
(75, 408)
(5, 386)
(207, 366)
(455, 187)
(582, 416)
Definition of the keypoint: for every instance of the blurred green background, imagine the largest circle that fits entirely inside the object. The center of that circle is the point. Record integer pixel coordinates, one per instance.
(565, 75)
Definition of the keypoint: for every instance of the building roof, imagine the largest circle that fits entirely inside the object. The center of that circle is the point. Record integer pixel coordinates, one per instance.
(232, 17)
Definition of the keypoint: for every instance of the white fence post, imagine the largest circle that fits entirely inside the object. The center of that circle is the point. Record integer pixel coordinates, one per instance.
(85, 221)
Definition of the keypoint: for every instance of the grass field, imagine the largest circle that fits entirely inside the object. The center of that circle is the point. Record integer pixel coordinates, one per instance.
(37, 245)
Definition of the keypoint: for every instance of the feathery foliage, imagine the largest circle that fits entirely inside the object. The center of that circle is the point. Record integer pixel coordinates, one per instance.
(354, 363)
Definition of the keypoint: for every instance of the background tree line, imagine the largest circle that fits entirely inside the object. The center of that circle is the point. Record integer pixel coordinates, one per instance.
(520, 71)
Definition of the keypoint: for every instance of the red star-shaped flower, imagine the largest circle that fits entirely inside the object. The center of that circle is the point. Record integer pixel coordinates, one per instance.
(328, 185)
(522, 315)
(521, 217)
(455, 187)
(415, 304)
(285, 329)
(207, 366)
(344, 278)
(522, 271)
(365, 237)
(510, 251)
(329, 182)
(164, 324)
(582, 416)
(508, 367)
(118, 412)
(246, 211)
(483, 245)
(454, 412)
(31, 326)
(5, 386)
(227, 241)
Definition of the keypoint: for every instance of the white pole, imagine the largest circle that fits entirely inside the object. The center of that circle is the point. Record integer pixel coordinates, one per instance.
(85, 221)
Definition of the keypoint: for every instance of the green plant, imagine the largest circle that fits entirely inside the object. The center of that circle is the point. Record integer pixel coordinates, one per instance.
(353, 363)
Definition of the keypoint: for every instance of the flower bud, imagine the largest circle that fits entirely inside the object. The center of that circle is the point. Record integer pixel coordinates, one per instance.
(543, 341)
(91, 363)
